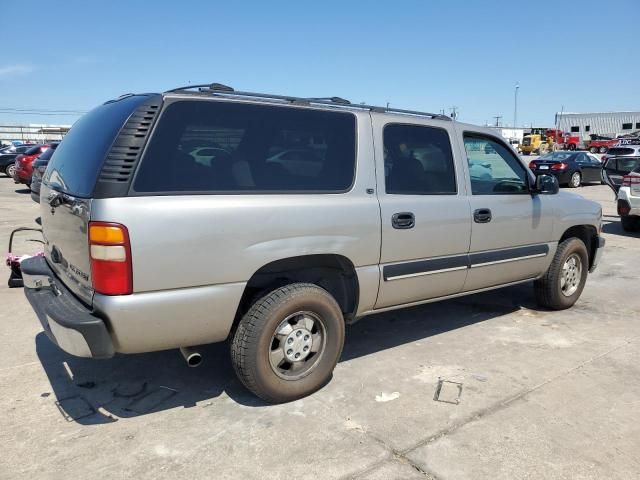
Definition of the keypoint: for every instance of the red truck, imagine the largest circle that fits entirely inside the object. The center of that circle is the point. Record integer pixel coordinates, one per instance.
(564, 140)
(600, 144)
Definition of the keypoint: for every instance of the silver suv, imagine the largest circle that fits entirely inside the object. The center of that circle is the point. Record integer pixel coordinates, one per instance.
(205, 214)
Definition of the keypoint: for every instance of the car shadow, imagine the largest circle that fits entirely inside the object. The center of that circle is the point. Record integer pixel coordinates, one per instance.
(23, 190)
(613, 226)
(93, 392)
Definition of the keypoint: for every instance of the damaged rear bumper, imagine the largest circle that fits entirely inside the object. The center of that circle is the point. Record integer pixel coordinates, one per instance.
(67, 322)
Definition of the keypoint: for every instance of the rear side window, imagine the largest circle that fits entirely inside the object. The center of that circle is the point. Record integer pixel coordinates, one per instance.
(622, 165)
(76, 165)
(418, 161)
(209, 147)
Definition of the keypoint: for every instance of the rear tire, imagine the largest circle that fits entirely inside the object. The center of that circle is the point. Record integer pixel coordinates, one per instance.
(572, 146)
(630, 223)
(299, 320)
(9, 169)
(562, 284)
(593, 149)
(576, 180)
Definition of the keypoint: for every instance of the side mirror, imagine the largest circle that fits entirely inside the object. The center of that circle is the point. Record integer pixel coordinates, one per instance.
(547, 185)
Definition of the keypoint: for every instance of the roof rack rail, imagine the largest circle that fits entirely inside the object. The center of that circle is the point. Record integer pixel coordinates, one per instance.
(338, 100)
(224, 90)
(204, 87)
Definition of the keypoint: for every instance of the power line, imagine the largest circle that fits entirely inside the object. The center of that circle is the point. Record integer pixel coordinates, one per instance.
(39, 114)
(41, 110)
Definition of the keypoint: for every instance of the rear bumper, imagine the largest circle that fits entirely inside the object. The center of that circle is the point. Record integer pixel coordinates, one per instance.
(598, 255)
(67, 322)
(137, 323)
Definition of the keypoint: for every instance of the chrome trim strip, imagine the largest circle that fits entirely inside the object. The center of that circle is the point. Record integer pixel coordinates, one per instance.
(421, 274)
(515, 259)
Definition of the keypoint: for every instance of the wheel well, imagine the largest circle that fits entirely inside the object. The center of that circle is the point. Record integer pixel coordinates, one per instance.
(588, 234)
(335, 273)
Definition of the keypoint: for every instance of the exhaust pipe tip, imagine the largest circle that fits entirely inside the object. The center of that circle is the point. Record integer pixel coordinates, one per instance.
(192, 357)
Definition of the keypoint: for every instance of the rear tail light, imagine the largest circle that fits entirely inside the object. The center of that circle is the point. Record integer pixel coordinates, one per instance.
(110, 253)
(559, 166)
(532, 165)
(629, 180)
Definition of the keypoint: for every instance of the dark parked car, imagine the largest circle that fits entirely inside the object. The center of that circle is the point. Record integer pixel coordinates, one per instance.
(571, 168)
(24, 163)
(39, 167)
(8, 158)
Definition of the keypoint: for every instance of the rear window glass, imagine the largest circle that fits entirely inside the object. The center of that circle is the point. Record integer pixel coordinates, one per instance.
(557, 156)
(620, 151)
(203, 146)
(48, 152)
(76, 165)
(33, 150)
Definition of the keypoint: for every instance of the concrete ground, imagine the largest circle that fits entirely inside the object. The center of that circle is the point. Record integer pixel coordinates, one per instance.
(525, 394)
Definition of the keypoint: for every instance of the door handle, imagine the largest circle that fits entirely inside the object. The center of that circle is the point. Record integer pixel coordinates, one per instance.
(403, 220)
(482, 215)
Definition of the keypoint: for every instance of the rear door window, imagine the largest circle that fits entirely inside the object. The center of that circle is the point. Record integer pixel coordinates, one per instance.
(224, 147)
(418, 161)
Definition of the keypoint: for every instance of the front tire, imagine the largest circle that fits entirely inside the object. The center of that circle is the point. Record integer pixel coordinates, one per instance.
(562, 284)
(603, 149)
(593, 149)
(288, 343)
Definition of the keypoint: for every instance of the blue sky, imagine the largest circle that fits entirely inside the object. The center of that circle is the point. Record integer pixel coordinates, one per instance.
(426, 55)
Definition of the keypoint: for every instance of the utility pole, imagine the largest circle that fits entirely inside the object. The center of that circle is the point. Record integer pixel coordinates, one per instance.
(454, 112)
(498, 118)
(515, 106)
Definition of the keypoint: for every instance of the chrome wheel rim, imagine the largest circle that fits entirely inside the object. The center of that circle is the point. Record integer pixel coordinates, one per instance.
(575, 179)
(297, 345)
(571, 275)
(11, 170)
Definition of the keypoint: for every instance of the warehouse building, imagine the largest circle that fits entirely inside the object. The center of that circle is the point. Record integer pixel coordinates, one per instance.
(610, 124)
(32, 133)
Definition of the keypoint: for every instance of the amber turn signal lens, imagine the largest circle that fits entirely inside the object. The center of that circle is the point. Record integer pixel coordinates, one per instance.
(106, 234)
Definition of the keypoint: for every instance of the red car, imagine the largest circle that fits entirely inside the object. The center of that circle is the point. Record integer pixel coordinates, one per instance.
(24, 163)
